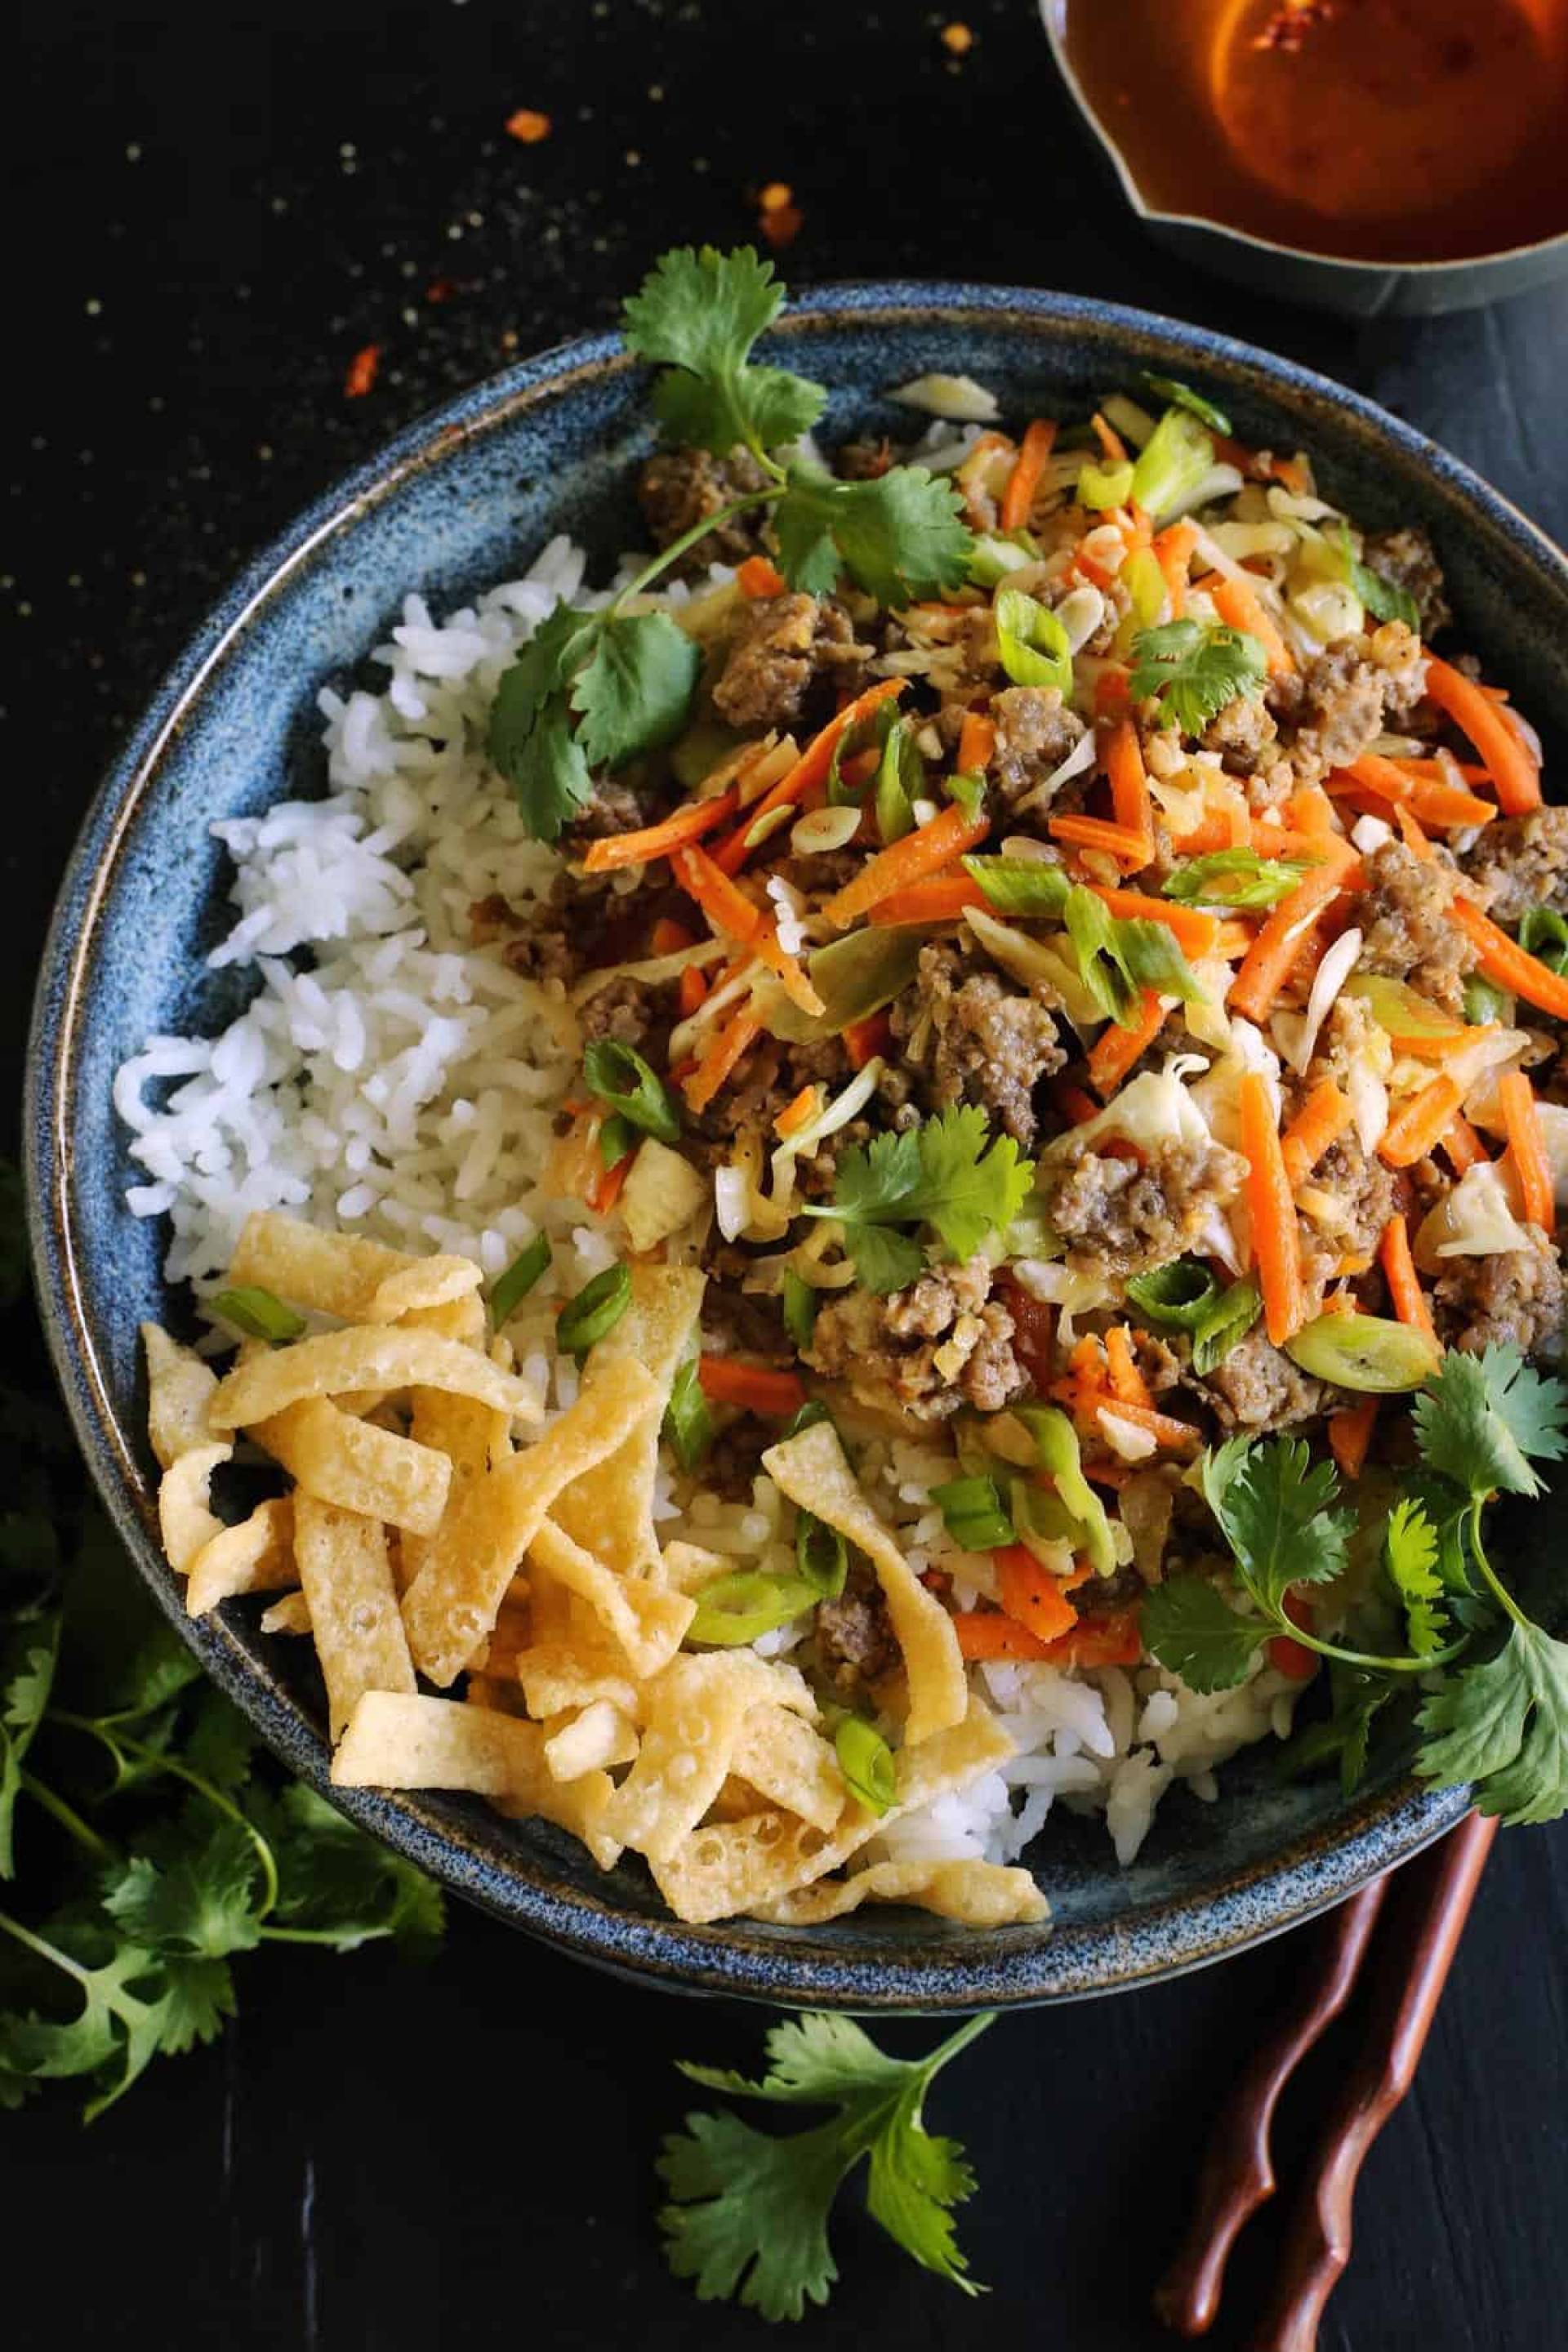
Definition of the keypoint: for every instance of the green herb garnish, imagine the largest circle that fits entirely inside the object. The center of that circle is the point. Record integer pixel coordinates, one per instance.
(1196, 671)
(1178, 1295)
(1032, 643)
(1544, 935)
(801, 1304)
(526, 1269)
(1181, 395)
(973, 1513)
(821, 1555)
(1021, 886)
(595, 1312)
(1223, 1325)
(739, 1607)
(619, 1076)
(688, 1423)
(950, 1174)
(1233, 878)
(1118, 958)
(867, 1763)
(258, 1314)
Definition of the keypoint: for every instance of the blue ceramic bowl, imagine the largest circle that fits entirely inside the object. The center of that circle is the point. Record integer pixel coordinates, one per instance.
(464, 498)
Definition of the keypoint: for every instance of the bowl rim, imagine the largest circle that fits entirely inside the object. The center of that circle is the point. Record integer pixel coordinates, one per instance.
(454, 1842)
(1351, 266)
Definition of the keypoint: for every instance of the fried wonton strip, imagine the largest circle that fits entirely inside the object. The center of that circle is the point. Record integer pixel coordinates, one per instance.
(555, 1676)
(812, 1470)
(647, 1619)
(256, 1556)
(414, 1742)
(358, 1466)
(790, 1765)
(179, 1388)
(340, 1274)
(976, 1893)
(290, 1615)
(592, 1740)
(688, 1567)
(368, 1356)
(452, 1602)
(727, 1867)
(694, 1715)
(346, 1578)
(186, 1521)
(610, 1511)
(472, 1437)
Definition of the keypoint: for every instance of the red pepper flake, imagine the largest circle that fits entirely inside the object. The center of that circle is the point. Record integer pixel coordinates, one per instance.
(364, 368)
(527, 126)
(782, 225)
(957, 40)
(777, 196)
(440, 289)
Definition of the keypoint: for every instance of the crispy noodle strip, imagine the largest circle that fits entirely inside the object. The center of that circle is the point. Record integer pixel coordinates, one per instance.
(367, 1356)
(358, 1466)
(186, 1521)
(256, 1556)
(647, 1621)
(975, 1894)
(694, 1714)
(812, 1470)
(591, 1740)
(181, 1387)
(290, 1615)
(789, 1765)
(609, 1511)
(340, 1274)
(346, 1578)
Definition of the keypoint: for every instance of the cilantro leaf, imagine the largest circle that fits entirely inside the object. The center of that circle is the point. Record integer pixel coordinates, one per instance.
(632, 692)
(1410, 1554)
(1503, 1725)
(341, 1885)
(698, 314)
(24, 1697)
(899, 538)
(1189, 1626)
(884, 1260)
(542, 666)
(750, 2211)
(765, 408)
(1195, 672)
(950, 1174)
(1345, 1734)
(1274, 1511)
(550, 775)
(118, 2031)
(200, 1904)
(1482, 1420)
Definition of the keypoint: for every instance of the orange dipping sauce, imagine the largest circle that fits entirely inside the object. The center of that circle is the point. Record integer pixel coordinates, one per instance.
(1374, 130)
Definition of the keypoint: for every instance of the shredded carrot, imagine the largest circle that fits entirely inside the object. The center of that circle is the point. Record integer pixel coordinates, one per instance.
(1275, 950)
(1031, 1595)
(1312, 812)
(1239, 604)
(863, 1040)
(669, 938)
(1113, 692)
(809, 771)
(798, 1113)
(1108, 1474)
(758, 577)
(1173, 551)
(1038, 441)
(756, 1388)
(1127, 1382)
(1196, 930)
(1115, 1050)
(1502, 959)
(1321, 1121)
(1419, 1124)
(607, 1191)
(941, 900)
(1527, 1148)
(1076, 1107)
(1399, 1272)
(1111, 1639)
(1433, 802)
(1410, 833)
(919, 855)
(691, 990)
(1234, 939)
(1176, 1437)
(976, 743)
(739, 1032)
(1350, 1436)
(1129, 785)
(1275, 1238)
(689, 824)
(1119, 841)
(1441, 771)
(732, 913)
(990, 1633)
(1462, 1144)
(1507, 758)
(1113, 448)
(1211, 832)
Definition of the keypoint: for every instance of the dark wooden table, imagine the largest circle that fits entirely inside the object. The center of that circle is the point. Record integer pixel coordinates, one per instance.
(208, 221)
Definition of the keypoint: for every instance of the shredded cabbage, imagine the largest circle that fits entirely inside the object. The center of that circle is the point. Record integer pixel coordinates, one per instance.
(956, 397)
(1473, 1220)
(1217, 1093)
(1327, 981)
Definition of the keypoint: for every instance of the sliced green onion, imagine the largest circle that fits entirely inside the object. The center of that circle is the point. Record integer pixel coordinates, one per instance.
(969, 791)
(617, 1137)
(974, 1513)
(1034, 644)
(1020, 886)
(1099, 487)
(1384, 599)
(1368, 1353)
(1145, 584)
(1544, 935)
(800, 1304)
(1486, 1003)
(258, 1314)
(688, 1423)
(1172, 464)
(900, 780)
(1150, 957)
(1170, 388)
(821, 1555)
(806, 1416)
(618, 1075)
(514, 1284)
(1235, 878)
(596, 1311)
(867, 1763)
(739, 1607)
(1057, 1452)
(1225, 1325)
(854, 740)
(1178, 1296)
(992, 558)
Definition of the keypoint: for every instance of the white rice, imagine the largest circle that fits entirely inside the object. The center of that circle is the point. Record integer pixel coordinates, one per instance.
(390, 1076)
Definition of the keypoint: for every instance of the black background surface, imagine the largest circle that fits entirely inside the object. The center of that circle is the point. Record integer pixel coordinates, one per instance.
(208, 220)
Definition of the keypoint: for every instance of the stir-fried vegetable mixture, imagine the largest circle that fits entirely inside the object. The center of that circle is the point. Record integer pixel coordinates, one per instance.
(1059, 933)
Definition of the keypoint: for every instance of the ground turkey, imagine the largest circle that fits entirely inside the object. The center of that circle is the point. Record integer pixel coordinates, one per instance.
(612, 807)
(926, 1351)
(1257, 1387)
(1125, 1216)
(990, 1043)
(1034, 733)
(679, 487)
(1408, 559)
(1521, 862)
(783, 647)
(1408, 927)
(854, 1635)
(1515, 1294)
(1347, 1202)
(1348, 696)
(1239, 732)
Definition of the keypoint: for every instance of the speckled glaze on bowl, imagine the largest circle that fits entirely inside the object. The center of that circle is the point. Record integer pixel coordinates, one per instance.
(465, 498)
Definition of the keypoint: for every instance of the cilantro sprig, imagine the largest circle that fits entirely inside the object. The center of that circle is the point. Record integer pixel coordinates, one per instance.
(951, 1175)
(749, 2211)
(1195, 672)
